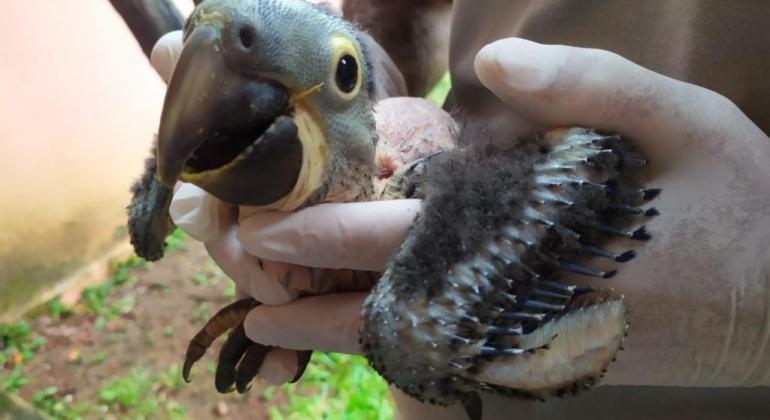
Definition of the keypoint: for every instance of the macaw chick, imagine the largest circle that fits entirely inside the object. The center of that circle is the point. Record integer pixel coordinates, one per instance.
(271, 106)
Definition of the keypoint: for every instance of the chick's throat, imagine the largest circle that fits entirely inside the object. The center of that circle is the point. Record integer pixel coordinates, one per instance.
(315, 151)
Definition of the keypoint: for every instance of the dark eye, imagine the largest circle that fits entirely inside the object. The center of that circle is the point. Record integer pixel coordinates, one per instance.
(347, 73)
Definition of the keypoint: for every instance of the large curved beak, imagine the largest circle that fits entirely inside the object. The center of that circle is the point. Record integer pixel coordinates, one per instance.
(225, 131)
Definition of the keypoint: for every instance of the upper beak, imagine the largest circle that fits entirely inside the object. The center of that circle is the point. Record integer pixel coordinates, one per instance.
(224, 130)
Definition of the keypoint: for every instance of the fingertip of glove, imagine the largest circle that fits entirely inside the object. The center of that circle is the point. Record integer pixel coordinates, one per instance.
(517, 64)
(165, 54)
(195, 212)
(280, 366)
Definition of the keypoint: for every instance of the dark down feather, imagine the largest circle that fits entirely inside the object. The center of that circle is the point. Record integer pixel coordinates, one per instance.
(482, 263)
(148, 220)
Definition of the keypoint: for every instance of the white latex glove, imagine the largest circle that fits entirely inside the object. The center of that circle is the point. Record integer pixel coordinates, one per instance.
(697, 294)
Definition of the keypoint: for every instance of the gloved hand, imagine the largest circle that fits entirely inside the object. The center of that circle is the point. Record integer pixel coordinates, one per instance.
(697, 293)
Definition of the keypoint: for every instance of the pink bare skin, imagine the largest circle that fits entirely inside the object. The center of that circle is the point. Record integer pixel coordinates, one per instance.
(409, 129)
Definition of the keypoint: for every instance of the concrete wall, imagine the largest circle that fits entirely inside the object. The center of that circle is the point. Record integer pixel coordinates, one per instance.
(79, 105)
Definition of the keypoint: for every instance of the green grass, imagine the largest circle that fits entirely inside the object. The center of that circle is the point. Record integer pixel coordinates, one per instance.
(50, 401)
(438, 94)
(18, 344)
(142, 395)
(202, 313)
(334, 386)
(98, 358)
(93, 300)
(176, 240)
(168, 331)
(229, 293)
(58, 310)
(14, 380)
(138, 395)
(210, 274)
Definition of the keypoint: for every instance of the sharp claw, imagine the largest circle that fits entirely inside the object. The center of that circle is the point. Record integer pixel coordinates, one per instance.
(188, 364)
(249, 366)
(651, 212)
(641, 234)
(241, 387)
(195, 350)
(598, 252)
(649, 193)
(303, 358)
(626, 256)
(473, 406)
(232, 352)
(225, 319)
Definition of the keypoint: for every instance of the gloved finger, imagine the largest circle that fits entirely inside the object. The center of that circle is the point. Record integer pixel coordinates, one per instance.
(322, 323)
(240, 293)
(211, 221)
(360, 236)
(248, 271)
(166, 53)
(565, 86)
(279, 367)
(200, 214)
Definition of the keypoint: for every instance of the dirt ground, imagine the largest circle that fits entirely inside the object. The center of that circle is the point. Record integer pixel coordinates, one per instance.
(159, 312)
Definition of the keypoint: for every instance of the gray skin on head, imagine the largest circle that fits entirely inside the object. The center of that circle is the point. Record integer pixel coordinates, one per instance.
(299, 56)
(260, 44)
(220, 82)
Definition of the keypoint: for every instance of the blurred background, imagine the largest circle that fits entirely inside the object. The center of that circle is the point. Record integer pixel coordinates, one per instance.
(88, 330)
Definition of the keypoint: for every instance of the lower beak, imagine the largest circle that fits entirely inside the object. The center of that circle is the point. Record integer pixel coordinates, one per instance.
(228, 133)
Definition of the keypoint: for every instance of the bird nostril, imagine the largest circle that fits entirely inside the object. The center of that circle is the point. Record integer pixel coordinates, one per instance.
(246, 35)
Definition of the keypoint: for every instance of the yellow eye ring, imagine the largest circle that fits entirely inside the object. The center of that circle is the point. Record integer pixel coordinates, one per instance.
(346, 71)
